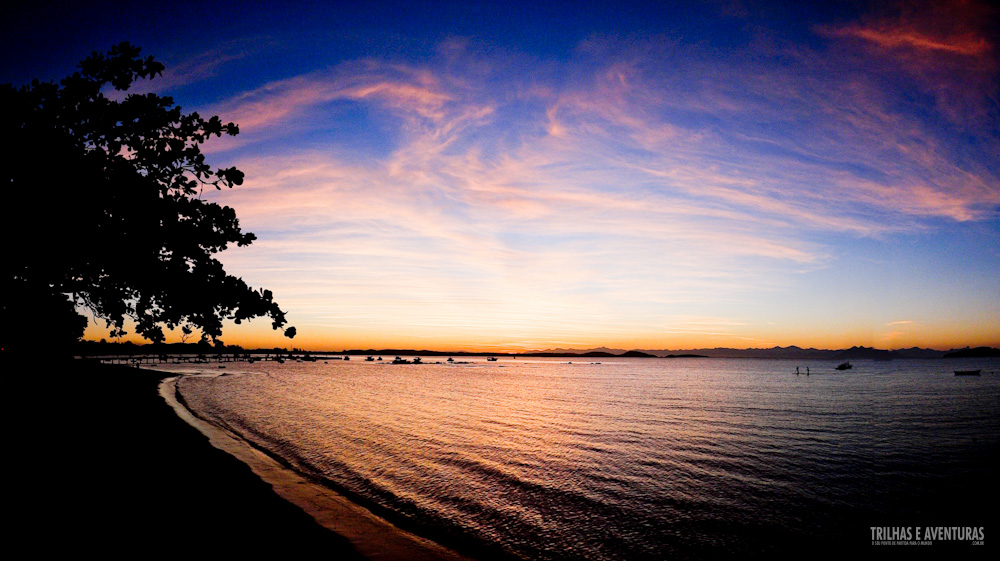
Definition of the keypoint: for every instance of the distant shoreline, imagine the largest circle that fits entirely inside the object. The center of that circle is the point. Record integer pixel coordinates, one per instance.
(91, 348)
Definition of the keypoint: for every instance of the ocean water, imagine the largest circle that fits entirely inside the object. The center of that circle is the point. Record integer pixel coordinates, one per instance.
(630, 458)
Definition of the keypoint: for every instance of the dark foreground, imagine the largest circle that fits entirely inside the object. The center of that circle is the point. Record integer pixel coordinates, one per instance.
(96, 461)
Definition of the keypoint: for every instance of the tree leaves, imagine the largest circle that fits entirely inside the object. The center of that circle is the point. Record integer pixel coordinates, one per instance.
(115, 184)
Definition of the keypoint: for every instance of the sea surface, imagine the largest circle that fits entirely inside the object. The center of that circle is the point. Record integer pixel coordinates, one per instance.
(630, 458)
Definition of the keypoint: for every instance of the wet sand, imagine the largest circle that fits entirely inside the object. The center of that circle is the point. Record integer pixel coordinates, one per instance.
(98, 461)
(371, 536)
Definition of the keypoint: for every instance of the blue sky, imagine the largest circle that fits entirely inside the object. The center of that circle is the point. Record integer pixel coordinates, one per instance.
(662, 175)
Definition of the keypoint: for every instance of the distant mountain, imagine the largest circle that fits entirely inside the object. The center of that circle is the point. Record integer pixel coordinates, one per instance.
(92, 348)
(775, 352)
(563, 352)
(917, 352)
(792, 352)
(637, 354)
(589, 354)
(866, 353)
(977, 352)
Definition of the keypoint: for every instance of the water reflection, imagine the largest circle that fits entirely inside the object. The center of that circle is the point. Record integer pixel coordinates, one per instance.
(630, 458)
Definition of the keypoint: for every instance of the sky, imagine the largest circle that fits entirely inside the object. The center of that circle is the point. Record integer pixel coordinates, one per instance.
(668, 175)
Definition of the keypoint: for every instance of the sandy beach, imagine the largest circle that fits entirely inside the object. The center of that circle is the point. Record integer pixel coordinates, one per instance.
(97, 461)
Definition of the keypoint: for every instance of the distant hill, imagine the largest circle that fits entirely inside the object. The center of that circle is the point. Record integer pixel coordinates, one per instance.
(973, 353)
(866, 353)
(637, 354)
(774, 352)
(792, 352)
(589, 354)
(917, 352)
(564, 352)
(92, 348)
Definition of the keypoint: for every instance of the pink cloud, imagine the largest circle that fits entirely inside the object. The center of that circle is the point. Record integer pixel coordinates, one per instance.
(946, 49)
(965, 44)
(285, 100)
(529, 200)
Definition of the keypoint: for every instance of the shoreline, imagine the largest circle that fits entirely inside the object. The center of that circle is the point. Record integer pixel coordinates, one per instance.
(98, 461)
(370, 535)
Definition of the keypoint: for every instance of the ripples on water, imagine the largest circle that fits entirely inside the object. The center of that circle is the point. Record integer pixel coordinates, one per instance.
(630, 459)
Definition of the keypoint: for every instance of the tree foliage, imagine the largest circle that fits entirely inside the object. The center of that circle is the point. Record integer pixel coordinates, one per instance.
(103, 204)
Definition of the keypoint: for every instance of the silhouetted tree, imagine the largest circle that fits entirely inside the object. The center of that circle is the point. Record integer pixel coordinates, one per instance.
(102, 208)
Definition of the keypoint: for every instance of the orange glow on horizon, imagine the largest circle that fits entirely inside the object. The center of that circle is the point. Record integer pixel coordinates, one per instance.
(265, 338)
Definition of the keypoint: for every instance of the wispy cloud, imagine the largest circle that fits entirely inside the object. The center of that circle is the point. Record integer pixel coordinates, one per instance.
(964, 44)
(405, 90)
(946, 50)
(185, 70)
(563, 197)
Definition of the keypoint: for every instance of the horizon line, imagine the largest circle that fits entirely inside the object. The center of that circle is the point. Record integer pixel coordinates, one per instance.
(532, 351)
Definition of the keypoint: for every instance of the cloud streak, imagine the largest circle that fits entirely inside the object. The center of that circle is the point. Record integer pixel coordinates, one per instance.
(524, 201)
(398, 88)
(966, 44)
